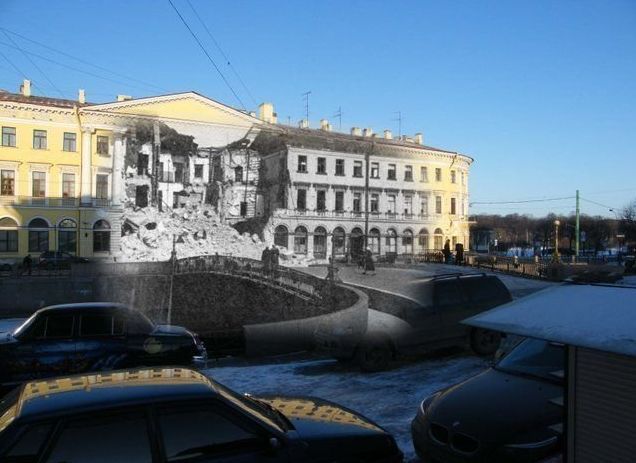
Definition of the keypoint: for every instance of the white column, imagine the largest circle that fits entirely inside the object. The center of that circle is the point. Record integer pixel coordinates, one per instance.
(118, 167)
(87, 171)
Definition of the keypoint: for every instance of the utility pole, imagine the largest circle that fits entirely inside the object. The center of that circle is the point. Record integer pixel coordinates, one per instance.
(154, 168)
(577, 226)
(367, 155)
(306, 97)
(173, 262)
(399, 119)
(339, 116)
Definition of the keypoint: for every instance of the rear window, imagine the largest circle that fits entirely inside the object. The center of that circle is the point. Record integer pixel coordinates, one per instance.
(448, 293)
(485, 290)
(96, 325)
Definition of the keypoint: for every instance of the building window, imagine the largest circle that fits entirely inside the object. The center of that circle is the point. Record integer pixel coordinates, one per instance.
(408, 173)
(391, 204)
(302, 164)
(463, 178)
(281, 236)
(102, 144)
(301, 200)
(453, 206)
(70, 141)
(374, 240)
(38, 184)
(438, 204)
(198, 171)
(357, 202)
(320, 243)
(340, 167)
(38, 235)
(375, 202)
(424, 174)
(8, 136)
(8, 235)
(438, 239)
(391, 172)
(422, 238)
(453, 176)
(321, 167)
(101, 236)
(39, 139)
(338, 241)
(438, 174)
(357, 168)
(300, 240)
(67, 236)
(7, 185)
(68, 185)
(101, 186)
(321, 200)
(238, 174)
(407, 241)
(375, 170)
(424, 207)
(339, 201)
(179, 172)
(391, 241)
(408, 205)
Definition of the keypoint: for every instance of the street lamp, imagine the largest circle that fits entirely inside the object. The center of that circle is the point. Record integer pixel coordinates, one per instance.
(556, 256)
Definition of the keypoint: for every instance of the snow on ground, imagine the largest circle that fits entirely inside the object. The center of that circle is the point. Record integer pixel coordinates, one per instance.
(390, 398)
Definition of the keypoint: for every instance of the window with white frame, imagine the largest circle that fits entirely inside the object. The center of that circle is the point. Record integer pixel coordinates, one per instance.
(8, 136)
(7, 182)
(424, 174)
(375, 170)
(70, 141)
(39, 139)
(408, 204)
(453, 176)
(438, 174)
(391, 203)
(424, 206)
(438, 204)
(102, 144)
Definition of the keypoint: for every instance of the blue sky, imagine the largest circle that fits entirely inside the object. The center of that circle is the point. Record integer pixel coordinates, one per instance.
(542, 94)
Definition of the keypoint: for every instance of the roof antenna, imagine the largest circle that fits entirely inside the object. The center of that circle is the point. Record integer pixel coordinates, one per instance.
(306, 97)
(399, 119)
(339, 116)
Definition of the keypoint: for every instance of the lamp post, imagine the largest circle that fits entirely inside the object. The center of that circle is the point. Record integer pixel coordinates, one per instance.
(618, 244)
(556, 256)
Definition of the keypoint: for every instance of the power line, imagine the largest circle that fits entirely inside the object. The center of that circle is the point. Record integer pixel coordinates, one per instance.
(611, 208)
(83, 61)
(227, 59)
(206, 53)
(17, 69)
(34, 64)
(539, 200)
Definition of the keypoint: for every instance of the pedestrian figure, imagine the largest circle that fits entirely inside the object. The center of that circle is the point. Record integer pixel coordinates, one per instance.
(265, 260)
(274, 259)
(368, 261)
(447, 252)
(459, 254)
(26, 264)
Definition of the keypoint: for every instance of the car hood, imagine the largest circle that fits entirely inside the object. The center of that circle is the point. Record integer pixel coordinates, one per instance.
(495, 407)
(170, 329)
(7, 326)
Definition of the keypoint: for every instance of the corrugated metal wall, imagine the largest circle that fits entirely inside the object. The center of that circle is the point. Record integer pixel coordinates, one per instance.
(604, 408)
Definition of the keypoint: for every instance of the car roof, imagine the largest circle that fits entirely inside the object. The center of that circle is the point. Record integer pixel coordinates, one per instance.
(83, 305)
(103, 390)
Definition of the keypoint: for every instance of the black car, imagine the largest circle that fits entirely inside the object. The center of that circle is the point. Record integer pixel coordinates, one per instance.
(178, 414)
(76, 338)
(424, 317)
(510, 413)
(58, 259)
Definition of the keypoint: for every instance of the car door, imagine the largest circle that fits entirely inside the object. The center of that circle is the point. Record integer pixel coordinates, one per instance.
(211, 432)
(48, 349)
(422, 315)
(101, 343)
(450, 300)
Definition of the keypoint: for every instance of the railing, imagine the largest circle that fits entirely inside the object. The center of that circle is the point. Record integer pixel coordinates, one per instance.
(52, 201)
(375, 215)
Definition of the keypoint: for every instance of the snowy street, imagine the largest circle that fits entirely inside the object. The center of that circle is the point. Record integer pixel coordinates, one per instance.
(390, 398)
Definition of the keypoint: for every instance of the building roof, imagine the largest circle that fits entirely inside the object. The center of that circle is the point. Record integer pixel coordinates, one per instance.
(40, 100)
(601, 317)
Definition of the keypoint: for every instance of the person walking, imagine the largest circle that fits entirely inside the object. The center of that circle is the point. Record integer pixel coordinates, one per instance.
(266, 260)
(274, 258)
(447, 252)
(369, 266)
(459, 254)
(27, 262)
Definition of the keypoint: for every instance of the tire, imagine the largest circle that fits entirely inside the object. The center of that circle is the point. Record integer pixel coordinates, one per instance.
(374, 356)
(484, 342)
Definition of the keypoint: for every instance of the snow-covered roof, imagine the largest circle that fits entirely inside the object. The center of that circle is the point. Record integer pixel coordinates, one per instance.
(593, 316)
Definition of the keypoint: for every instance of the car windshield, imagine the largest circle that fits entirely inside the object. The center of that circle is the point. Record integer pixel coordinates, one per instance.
(535, 357)
(22, 328)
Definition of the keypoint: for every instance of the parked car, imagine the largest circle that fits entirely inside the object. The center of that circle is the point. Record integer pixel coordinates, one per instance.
(178, 414)
(76, 338)
(58, 259)
(510, 413)
(424, 317)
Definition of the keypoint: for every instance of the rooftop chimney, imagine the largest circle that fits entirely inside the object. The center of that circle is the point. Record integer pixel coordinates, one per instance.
(419, 138)
(266, 113)
(124, 97)
(81, 96)
(303, 124)
(325, 125)
(356, 131)
(25, 88)
(388, 135)
(368, 132)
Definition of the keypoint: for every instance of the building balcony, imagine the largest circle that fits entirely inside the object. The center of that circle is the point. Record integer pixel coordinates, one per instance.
(51, 201)
(354, 215)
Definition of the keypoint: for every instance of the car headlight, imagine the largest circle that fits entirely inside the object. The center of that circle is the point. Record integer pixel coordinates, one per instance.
(426, 403)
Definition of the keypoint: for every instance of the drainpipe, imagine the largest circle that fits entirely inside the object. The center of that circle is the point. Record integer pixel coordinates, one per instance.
(79, 208)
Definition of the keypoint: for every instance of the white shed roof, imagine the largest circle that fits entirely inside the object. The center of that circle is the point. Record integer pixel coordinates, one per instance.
(593, 316)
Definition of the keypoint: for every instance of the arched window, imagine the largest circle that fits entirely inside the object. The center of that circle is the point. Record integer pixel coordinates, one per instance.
(438, 239)
(67, 236)
(407, 241)
(281, 236)
(101, 236)
(238, 174)
(38, 235)
(374, 240)
(422, 239)
(8, 235)
(356, 242)
(339, 241)
(300, 240)
(320, 243)
(391, 240)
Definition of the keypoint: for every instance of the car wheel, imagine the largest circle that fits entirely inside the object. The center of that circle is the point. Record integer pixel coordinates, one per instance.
(484, 342)
(374, 356)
